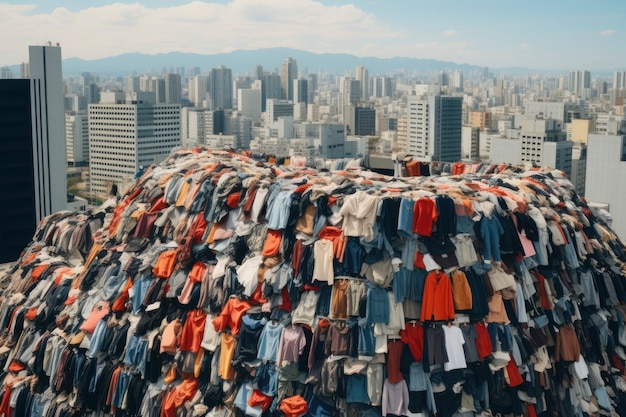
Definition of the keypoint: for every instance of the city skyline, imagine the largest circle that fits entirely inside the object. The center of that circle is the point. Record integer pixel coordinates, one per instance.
(555, 35)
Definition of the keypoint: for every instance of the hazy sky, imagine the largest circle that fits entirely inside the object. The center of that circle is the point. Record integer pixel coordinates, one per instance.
(546, 34)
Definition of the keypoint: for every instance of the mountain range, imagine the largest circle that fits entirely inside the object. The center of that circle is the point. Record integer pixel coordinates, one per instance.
(243, 61)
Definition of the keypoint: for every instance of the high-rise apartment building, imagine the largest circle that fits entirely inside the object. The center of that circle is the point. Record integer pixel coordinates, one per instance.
(221, 88)
(48, 129)
(382, 87)
(363, 76)
(289, 72)
(434, 127)
(619, 80)
(123, 137)
(579, 81)
(18, 218)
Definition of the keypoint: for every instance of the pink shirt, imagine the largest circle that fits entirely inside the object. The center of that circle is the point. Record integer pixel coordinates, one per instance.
(292, 343)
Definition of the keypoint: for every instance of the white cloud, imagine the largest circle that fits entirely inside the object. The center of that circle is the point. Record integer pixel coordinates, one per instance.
(523, 45)
(607, 32)
(450, 32)
(199, 26)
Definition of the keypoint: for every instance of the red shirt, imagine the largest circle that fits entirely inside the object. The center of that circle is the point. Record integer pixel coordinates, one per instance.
(413, 336)
(483, 341)
(424, 214)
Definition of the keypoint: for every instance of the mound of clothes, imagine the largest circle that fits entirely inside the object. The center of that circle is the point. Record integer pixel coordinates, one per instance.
(221, 285)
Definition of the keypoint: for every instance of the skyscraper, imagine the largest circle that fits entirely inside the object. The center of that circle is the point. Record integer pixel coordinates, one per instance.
(579, 81)
(271, 89)
(619, 80)
(300, 91)
(173, 88)
(221, 89)
(18, 218)
(434, 127)
(363, 76)
(48, 129)
(289, 72)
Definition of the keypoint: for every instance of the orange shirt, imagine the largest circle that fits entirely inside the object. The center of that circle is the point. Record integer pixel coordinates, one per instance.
(437, 301)
(231, 315)
(225, 369)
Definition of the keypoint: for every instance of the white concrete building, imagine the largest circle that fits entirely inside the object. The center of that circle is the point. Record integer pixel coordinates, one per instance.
(606, 170)
(434, 127)
(77, 138)
(249, 103)
(123, 137)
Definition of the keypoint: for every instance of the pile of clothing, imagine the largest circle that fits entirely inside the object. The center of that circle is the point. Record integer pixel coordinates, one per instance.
(222, 285)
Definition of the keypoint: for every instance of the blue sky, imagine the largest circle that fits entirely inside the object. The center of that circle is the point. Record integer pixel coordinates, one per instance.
(548, 34)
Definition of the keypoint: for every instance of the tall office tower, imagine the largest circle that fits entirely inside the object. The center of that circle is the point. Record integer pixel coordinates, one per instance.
(579, 81)
(132, 84)
(289, 72)
(249, 102)
(363, 76)
(271, 89)
(77, 138)
(18, 218)
(173, 88)
(123, 137)
(619, 80)
(48, 129)
(300, 91)
(434, 127)
(364, 121)
(257, 74)
(198, 89)
(221, 90)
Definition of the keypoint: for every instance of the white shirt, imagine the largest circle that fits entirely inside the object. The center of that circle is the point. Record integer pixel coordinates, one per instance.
(454, 348)
(323, 254)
